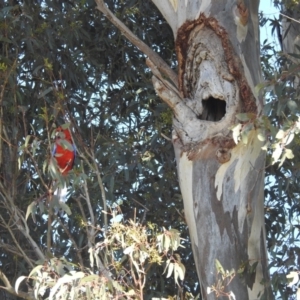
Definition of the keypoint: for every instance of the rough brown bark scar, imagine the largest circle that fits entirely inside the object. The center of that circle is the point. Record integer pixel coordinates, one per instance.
(205, 148)
(243, 13)
(233, 62)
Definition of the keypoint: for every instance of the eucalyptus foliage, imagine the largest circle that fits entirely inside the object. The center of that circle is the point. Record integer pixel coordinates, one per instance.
(63, 63)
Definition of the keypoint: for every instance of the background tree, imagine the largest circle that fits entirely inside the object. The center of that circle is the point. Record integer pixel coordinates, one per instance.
(63, 62)
(280, 70)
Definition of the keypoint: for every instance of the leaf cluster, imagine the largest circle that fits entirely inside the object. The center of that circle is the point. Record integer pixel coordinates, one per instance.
(133, 249)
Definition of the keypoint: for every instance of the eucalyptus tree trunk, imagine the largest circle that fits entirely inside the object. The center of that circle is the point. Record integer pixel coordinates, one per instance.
(217, 44)
(222, 183)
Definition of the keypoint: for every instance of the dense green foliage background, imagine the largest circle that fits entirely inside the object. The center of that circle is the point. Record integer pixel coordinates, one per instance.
(63, 62)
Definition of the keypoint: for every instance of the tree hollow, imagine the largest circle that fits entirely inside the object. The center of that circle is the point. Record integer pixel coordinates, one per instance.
(213, 109)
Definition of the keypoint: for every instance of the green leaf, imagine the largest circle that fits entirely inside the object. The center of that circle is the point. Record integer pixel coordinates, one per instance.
(91, 256)
(219, 267)
(36, 270)
(289, 153)
(280, 134)
(89, 278)
(244, 136)
(143, 256)
(88, 292)
(66, 145)
(30, 209)
(258, 87)
(236, 131)
(170, 269)
(261, 135)
(27, 139)
(242, 117)
(45, 92)
(5, 40)
(129, 250)
(167, 242)
(168, 261)
(288, 139)
(45, 164)
(19, 163)
(179, 271)
(65, 207)
(293, 277)
(276, 153)
(18, 282)
(292, 105)
(131, 293)
(98, 262)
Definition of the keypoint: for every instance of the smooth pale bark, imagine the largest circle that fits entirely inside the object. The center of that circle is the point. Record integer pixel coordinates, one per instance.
(217, 44)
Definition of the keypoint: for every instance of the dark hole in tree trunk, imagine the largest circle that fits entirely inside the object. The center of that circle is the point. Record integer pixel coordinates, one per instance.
(213, 109)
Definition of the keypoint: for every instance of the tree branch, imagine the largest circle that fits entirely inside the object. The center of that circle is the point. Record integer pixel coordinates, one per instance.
(16, 242)
(100, 182)
(13, 250)
(91, 235)
(25, 231)
(156, 73)
(181, 111)
(159, 62)
(78, 251)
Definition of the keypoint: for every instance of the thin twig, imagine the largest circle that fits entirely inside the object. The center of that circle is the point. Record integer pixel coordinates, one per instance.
(25, 231)
(78, 252)
(13, 250)
(167, 138)
(288, 17)
(16, 242)
(81, 208)
(157, 73)
(49, 229)
(36, 167)
(147, 209)
(91, 236)
(100, 182)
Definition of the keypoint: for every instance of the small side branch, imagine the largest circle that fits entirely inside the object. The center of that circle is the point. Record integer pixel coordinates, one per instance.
(21, 225)
(181, 111)
(156, 72)
(78, 251)
(160, 63)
